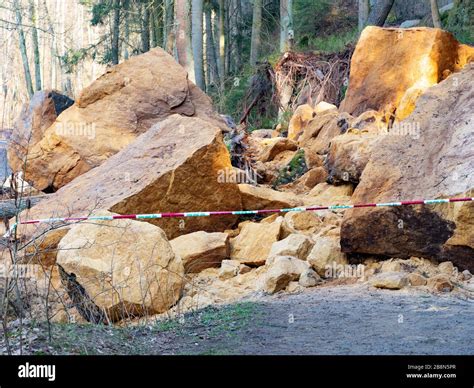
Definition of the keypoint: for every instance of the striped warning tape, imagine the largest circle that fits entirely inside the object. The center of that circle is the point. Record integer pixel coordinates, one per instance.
(239, 212)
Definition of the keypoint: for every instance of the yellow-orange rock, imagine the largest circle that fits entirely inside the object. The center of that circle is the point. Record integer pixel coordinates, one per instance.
(201, 250)
(109, 114)
(261, 197)
(325, 194)
(319, 132)
(276, 146)
(348, 155)
(437, 163)
(281, 271)
(44, 249)
(325, 254)
(323, 106)
(126, 270)
(306, 223)
(254, 243)
(313, 177)
(391, 66)
(312, 159)
(35, 118)
(164, 170)
(301, 117)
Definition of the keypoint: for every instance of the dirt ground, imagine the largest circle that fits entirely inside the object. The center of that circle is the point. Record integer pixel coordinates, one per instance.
(349, 319)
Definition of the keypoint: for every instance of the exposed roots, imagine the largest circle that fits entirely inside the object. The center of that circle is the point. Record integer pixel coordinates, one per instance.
(312, 77)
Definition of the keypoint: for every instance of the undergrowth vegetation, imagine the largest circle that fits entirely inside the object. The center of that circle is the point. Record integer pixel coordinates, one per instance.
(292, 171)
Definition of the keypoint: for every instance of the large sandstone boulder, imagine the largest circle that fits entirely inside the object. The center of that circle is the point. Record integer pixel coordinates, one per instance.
(440, 283)
(229, 269)
(309, 278)
(125, 270)
(390, 280)
(276, 146)
(306, 223)
(325, 194)
(201, 250)
(109, 114)
(261, 197)
(301, 117)
(280, 274)
(416, 280)
(326, 254)
(349, 153)
(281, 271)
(314, 177)
(295, 245)
(35, 118)
(254, 243)
(164, 170)
(390, 62)
(316, 136)
(348, 156)
(304, 114)
(438, 164)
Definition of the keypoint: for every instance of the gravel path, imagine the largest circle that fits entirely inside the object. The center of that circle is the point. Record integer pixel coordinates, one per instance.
(340, 320)
(350, 320)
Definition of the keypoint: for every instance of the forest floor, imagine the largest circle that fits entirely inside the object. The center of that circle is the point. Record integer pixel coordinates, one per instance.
(350, 319)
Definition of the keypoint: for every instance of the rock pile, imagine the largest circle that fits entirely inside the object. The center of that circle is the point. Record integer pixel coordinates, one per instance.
(435, 164)
(161, 171)
(125, 270)
(159, 148)
(108, 116)
(424, 57)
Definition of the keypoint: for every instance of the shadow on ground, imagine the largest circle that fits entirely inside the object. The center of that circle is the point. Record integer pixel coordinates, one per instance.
(329, 320)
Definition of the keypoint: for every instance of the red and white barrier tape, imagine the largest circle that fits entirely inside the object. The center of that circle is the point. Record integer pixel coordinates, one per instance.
(236, 212)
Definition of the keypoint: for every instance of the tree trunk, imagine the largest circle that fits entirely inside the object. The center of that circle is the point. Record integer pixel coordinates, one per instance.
(228, 34)
(238, 37)
(197, 42)
(256, 32)
(54, 49)
(364, 9)
(145, 30)
(156, 24)
(116, 33)
(379, 12)
(222, 41)
(36, 53)
(52, 65)
(233, 22)
(61, 13)
(183, 41)
(216, 35)
(168, 36)
(22, 42)
(211, 60)
(126, 9)
(286, 24)
(435, 14)
(207, 63)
